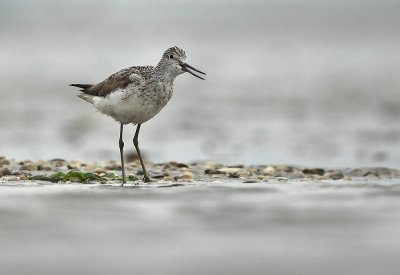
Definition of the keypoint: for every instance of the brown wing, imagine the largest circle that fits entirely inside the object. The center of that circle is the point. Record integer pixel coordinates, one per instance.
(116, 81)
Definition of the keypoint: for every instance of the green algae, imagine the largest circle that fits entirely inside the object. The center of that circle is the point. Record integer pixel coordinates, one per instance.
(77, 176)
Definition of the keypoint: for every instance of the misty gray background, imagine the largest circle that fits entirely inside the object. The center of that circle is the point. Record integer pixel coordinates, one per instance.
(300, 82)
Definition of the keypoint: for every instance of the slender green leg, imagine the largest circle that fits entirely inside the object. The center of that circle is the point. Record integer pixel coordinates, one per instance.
(146, 177)
(121, 151)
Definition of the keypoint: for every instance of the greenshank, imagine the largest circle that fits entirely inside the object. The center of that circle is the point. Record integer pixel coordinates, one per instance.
(136, 94)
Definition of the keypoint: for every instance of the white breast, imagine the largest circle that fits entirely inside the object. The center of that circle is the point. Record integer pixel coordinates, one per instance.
(131, 105)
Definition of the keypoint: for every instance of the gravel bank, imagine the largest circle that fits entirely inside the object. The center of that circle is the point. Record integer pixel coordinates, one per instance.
(60, 170)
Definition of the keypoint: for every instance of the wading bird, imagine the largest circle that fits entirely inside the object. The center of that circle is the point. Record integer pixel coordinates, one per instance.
(136, 94)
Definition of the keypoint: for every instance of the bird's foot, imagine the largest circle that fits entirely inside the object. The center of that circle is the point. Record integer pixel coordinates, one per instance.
(123, 182)
(146, 178)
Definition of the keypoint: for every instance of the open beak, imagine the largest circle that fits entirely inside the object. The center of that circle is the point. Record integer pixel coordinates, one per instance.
(186, 67)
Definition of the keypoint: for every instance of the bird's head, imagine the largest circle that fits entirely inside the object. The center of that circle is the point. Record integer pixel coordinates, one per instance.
(174, 60)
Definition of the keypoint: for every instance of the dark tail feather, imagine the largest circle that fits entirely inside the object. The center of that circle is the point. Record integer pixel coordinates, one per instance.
(83, 86)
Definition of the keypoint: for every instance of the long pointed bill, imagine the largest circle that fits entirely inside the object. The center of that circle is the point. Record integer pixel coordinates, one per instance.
(186, 67)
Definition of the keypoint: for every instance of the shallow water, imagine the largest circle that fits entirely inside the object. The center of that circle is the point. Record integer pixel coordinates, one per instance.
(201, 228)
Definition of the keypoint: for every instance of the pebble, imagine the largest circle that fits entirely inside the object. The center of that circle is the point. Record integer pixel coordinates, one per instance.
(212, 165)
(75, 164)
(314, 171)
(263, 178)
(46, 168)
(371, 176)
(113, 166)
(29, 167)
(213, 172)
(236, 166)
(358, 172)
(187, 176)
(168, 178)
(234, 175)
(269, 170)
(5, 172)
(229, 170)
(100, 171)
(296, 175)
(178, 164)
(58, 162)
(334, 175)
(4, 161)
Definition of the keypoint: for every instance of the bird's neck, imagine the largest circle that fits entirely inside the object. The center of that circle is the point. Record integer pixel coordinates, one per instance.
(165, 74)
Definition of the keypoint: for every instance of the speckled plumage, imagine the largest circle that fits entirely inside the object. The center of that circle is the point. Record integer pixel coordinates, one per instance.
(136, 94)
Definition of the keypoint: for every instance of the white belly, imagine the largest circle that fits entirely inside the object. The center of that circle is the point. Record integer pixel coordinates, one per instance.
(127, 106)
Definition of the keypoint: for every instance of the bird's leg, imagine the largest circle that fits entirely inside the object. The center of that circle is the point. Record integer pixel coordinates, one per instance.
(121, 151)
(146, 177)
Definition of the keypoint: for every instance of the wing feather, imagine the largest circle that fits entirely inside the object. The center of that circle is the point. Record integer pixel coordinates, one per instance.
(120, 80)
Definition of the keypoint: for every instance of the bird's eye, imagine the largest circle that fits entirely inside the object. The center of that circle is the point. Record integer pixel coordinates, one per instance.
(171, 56)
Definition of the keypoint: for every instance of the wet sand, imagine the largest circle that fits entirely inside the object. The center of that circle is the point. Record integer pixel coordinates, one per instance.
(221, 223)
